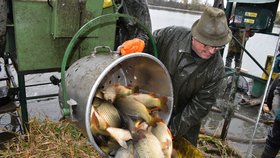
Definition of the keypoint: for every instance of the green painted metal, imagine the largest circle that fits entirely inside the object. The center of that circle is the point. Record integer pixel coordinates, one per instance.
(89, 26)
(41, 37)
(40, 33)
(61, 13)
(258, 88)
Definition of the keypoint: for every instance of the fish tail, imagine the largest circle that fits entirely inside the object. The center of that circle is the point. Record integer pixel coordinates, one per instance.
(155, 120)
(163, 103)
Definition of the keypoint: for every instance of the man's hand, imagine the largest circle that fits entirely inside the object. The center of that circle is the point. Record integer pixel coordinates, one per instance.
(132, 46)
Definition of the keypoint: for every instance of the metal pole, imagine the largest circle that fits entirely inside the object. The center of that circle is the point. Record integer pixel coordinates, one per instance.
(230, 105)
(22, 101)
(249, 151)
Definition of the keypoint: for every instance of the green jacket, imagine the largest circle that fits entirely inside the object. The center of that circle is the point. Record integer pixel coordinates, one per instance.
(195, 80)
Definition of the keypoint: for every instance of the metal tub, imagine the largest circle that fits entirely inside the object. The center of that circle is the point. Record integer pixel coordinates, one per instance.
(96, 71)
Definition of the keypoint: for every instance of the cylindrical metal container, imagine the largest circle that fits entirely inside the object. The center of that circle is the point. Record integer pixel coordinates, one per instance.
(90, 73)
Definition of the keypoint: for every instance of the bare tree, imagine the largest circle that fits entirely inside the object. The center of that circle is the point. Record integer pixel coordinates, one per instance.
(219, 4)
(184, 1)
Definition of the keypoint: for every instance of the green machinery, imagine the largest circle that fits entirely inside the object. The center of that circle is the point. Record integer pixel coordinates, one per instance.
(39, 31)
(258, 16)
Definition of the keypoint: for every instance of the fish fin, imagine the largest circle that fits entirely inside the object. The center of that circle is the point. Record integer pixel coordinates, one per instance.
(120, 135)
(141, 125)
(102, 124)
(96, 102)
(99, 94)
(94, 123)
(170, 134)
(165, 145)
(155, 119)
(153, 123)
(135, 89)
(94, 119)
(163, 103)
(154, 109)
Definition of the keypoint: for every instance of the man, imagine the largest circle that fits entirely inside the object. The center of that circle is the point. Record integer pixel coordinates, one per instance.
(272, 145)
(196, 68)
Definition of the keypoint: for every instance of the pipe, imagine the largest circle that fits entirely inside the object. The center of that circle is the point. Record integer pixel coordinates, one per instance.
(235, 139)
(239, 116)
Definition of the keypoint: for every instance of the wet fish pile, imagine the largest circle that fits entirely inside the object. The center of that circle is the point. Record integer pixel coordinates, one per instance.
(126, 123)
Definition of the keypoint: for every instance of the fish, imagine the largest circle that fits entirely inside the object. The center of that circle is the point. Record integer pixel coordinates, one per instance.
(165, 138)
(151, 101)
(97, 102)
(99, 94)
(95, 124)
(146, 145)
(111, 92)
(103, 115)
(125, 153)
(132, 125)
(134, 109)
(106, 143)
(109, 113)
(120, 135)
(141, 125)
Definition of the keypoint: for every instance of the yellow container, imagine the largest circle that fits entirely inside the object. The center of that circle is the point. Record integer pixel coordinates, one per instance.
(184, 149)
(107, 3)
(268, 64)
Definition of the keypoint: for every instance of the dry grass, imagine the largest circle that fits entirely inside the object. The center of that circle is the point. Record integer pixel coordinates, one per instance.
(49, 139)
(215, 148)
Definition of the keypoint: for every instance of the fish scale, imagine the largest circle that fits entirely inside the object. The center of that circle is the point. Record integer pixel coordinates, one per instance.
(133, 108)
(163, 134)
(110, 114)
(148, 146)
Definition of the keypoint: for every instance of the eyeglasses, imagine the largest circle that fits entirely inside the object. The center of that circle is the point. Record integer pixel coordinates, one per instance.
(213, 47)
(210, 47)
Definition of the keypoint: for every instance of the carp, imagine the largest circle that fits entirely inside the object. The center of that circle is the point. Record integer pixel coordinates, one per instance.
(147, 145)
(125, 153)
(164, 136)
(151, 101)
(103, 115)
(110, 93)
(134, 109)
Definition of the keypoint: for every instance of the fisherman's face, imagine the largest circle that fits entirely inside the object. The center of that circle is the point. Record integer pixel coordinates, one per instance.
(204, 51)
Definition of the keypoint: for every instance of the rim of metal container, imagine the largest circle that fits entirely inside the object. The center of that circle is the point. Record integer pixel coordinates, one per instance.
(99, 80)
